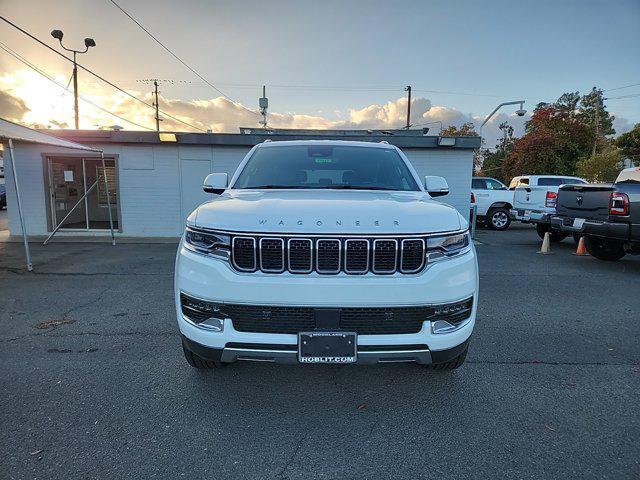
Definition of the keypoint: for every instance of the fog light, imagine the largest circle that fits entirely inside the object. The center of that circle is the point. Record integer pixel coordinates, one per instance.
(448, 317)
(442, 326)
(207, 315)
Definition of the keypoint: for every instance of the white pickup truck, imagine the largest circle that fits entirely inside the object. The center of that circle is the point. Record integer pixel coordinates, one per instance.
(494, 200)
(535, 199)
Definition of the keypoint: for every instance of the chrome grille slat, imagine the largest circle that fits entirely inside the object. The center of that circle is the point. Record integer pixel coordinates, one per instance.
(244, 253)
(412, 255)
(300, 255)
(355, 255)
(385, 255)
(328, 255)
(272, 255)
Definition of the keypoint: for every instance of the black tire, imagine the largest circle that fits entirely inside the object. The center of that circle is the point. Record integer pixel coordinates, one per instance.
(554, 237)
(452, 364)
(198, 362)
(604, 249)
(498, 218)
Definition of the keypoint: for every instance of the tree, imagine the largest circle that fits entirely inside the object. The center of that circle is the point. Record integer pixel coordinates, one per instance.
(568, 101)
(629, 143)
(492, 164)
(589, 104)
(604, 166)
(465, 130)
(555, 138)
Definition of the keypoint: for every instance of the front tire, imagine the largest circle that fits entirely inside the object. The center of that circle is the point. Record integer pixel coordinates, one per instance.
(554, 237)
(196, 361)
(498, 219)
(604, 249)
(451, 364)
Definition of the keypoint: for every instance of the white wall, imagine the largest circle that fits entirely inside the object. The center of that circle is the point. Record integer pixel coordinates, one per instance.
(454, 165)
(161, 184)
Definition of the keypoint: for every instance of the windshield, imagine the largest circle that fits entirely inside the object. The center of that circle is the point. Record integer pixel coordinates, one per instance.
(326, 167)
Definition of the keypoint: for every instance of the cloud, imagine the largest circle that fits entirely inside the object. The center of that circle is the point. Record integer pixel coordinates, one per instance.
(12, 108)
(33, 100)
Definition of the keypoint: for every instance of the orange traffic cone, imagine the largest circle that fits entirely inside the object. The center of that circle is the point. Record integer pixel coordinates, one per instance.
(546, 245)
(581, 250)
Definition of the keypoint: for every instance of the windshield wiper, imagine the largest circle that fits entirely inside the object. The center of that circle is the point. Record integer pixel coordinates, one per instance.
(282, 187)
(354, 187)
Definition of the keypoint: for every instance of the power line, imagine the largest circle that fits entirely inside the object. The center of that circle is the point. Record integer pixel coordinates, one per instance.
(631, 95)
(95, 74)
(177, 57)
(26, 62)
(620, 88)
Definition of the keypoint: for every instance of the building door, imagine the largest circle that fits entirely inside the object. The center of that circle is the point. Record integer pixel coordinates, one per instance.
(69, 180)
(66, 187)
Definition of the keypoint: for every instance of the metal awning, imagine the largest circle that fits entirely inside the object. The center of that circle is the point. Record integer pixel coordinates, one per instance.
(11, 132)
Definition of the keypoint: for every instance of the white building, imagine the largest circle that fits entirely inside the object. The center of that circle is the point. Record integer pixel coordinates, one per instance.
(156, 180)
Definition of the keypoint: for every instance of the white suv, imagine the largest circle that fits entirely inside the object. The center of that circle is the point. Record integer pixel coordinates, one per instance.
(326, 252)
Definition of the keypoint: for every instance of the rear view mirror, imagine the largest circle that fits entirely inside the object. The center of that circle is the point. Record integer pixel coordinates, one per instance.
(436, 186)
(215, 183)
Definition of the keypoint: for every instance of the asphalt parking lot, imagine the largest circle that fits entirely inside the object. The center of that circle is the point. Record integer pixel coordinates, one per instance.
(94, 385)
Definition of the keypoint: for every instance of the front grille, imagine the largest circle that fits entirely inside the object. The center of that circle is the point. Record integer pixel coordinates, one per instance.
(292, 320)
(354, 256)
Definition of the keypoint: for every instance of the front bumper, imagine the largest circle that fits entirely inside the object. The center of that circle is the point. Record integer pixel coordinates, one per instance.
(596, 228)
(530, 216)
(214, 280)
(288, 354)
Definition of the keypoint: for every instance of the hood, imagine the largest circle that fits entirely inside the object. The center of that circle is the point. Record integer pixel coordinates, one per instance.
(326, 211)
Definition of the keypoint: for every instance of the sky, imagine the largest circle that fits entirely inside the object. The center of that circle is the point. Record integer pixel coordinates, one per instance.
(326, 64)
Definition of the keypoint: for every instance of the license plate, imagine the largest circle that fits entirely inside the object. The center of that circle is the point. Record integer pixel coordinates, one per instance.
(527, 213)
(578, 222)
(327, 347)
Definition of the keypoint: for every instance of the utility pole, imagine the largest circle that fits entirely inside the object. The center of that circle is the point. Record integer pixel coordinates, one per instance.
(157, 105)
(597, 122)
(263, 103)
(88, 42)
(408, 90)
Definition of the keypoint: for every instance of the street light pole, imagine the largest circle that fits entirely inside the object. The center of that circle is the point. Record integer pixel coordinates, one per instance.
(519, 112)
(88, 42)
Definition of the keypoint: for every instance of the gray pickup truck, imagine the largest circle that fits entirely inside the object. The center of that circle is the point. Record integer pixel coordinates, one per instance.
(607, 215)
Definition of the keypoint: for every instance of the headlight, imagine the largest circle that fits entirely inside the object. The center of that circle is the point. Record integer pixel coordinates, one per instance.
(446, 246)
(209, 243)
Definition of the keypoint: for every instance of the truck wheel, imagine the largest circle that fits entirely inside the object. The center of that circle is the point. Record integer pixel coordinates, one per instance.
(452, 364)
(604, 249)
(198, 362)
(498, 219)
(554, 237)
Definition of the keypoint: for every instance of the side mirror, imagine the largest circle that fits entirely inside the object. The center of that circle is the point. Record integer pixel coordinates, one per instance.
(215, 183)
(436, 186)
